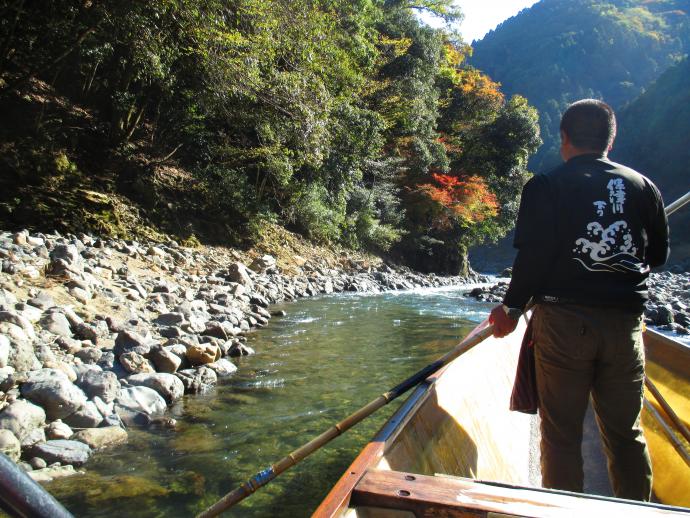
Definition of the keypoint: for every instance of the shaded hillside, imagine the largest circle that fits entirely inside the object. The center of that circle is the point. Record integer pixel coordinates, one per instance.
(557, 52)
(351, 123)
(654, 137)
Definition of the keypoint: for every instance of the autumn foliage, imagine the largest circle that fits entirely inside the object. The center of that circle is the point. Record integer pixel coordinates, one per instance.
(465, 199)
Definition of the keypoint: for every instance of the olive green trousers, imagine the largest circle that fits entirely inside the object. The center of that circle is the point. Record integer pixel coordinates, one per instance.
(582, 351)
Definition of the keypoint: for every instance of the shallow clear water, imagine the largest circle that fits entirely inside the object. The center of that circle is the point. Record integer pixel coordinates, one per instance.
(326, 358)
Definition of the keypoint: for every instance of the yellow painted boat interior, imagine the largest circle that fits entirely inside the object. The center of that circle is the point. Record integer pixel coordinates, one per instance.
(462, 425)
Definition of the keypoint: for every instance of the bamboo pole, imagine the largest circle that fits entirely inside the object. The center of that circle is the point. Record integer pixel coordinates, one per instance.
(680, 448)
(677, 421)
(678, 204)
(264, 477)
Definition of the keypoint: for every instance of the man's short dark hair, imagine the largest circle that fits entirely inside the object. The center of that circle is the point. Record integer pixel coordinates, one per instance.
(590, 124)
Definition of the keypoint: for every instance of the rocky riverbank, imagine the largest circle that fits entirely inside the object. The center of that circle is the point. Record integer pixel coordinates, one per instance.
(668, 308)
(98, 335)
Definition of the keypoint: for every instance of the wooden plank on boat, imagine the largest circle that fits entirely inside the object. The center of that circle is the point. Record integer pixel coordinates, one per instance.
(445, 496)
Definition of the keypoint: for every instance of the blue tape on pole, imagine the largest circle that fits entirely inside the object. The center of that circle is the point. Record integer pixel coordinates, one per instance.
(264, 476)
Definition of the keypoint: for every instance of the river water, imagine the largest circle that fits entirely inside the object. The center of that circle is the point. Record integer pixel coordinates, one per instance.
(326, 358)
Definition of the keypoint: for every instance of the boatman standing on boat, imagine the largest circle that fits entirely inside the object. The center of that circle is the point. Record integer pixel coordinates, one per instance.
(587, 234)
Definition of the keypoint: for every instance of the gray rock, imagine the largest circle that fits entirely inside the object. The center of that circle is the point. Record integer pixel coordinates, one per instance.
(43, 300)
(140, 399)
(38, 463)
(21, 417)
(51, 473)
(102, 384)
(14, 332)
(240, 349)
(58, 430)
(87, 416)
(164, 360)
(65, 259)
(197, 380)
(129, 341)
(98, 438)
(135, 363)
(4, 351)
(9, 444)
(33, 437)
(261, 264)
(57, 324)
(53, 390)
(239, 273)
(169, 319)
(167, 385)
(222, 367)
(62, 451)
(12, 317)
(89, 355)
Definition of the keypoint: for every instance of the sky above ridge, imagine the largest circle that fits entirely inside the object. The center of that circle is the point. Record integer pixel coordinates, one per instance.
(481, 16)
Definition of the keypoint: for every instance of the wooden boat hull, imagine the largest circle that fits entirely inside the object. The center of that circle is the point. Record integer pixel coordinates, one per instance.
(458, 424)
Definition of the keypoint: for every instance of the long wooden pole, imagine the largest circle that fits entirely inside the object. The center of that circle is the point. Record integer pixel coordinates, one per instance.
(264, 477)
(677, 421)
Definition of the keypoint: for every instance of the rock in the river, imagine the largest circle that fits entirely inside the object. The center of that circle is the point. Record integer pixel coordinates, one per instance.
(167, 385)
(9, 444)
(223, 367)
(62, 451)
(240, 349)
(200, 354)
(97, 438)
(53, 390)
(140, 399)
(21, 417)
(51, 473)
(197, 380)
(102, 384)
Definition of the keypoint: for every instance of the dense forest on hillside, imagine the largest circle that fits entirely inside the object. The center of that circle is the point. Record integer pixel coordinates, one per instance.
(654, 137)
(557, 52)
(348, 121)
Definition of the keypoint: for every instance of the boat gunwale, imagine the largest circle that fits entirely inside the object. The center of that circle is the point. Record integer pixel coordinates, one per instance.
(339, 496)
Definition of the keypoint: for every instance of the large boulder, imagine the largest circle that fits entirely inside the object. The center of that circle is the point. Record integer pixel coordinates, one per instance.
(135, 363)
(261, 264)
(9, 445)
(222, 367)
(239, 273)
(62, 451)
(4, 351)
(87, 416)
(53, 390)
(98, 383)
(97, 438)
(12, 317)
(57, 324)
(43, 300)
(22, 357)
(164, 360)
(197, 380)
(199, 354)
(65, 259)
(140, 399)
(167, 385)
(129, 341)
(21, 417)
